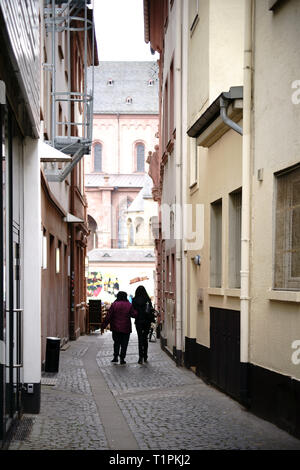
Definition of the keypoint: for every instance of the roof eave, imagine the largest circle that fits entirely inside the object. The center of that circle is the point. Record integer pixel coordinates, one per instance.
(213, 111)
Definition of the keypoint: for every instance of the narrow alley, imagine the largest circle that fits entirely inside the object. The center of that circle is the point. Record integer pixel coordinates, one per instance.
(92, 404)
(151, 170)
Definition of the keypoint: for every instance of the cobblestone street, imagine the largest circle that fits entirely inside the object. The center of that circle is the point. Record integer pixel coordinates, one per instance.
(93, 404)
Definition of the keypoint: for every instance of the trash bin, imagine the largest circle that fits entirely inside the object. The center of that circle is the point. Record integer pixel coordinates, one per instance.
(52, 354)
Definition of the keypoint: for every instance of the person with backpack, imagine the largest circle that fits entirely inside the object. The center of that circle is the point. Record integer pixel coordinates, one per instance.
(143, 305)
(119, 317)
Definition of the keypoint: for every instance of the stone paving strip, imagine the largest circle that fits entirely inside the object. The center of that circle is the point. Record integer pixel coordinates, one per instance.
(155, 406)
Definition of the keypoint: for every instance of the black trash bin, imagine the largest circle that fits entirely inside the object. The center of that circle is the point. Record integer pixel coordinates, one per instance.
(52, 354)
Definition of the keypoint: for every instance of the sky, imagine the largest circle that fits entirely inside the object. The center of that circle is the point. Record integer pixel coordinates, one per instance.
(120, 30)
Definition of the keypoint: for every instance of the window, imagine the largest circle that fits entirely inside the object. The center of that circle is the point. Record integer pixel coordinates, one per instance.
(98, 157)
(165, 120)
(44, 250)
(287, 231)
(173, 288)
(171, 110)
(193, 161)
(235, 234)
(140, 158)
(57, 259)
(168, 274)
(216, 244)
(130, 232)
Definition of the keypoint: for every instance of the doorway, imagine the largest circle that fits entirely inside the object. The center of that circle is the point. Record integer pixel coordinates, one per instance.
(225, 350)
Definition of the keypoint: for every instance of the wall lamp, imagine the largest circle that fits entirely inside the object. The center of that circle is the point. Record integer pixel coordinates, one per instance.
(197, 260)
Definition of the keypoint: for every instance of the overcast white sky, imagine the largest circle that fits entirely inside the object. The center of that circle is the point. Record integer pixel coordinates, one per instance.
(120, 30)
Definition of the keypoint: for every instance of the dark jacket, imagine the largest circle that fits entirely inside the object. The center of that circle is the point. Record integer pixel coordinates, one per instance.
(118, 316)
(139, 304)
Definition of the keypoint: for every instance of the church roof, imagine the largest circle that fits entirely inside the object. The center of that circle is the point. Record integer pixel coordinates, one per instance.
(109, 255)
(133, 180)
(125, 87)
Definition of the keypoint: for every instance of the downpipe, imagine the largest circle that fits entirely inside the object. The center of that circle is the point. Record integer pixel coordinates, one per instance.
(223, 113)
(246, 205)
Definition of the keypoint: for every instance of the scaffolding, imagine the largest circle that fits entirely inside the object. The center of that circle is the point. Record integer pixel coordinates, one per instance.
(73, 136)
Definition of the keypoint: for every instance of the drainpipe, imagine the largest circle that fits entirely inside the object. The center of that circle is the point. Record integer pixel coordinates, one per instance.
(246, 200)
(184, 138)
(223, 113)
(178, 173)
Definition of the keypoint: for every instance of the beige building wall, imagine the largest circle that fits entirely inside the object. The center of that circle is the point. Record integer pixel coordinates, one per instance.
(275, 315)
(214, 172)
(215, 52)
(220, 173)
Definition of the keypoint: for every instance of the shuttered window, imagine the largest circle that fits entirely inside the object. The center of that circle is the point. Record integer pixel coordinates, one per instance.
(287, 231)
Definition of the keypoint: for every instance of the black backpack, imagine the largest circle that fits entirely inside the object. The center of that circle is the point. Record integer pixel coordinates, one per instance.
(149, 313)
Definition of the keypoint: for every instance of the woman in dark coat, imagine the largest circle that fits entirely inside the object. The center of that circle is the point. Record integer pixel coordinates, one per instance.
(142, 304)
(119, 317)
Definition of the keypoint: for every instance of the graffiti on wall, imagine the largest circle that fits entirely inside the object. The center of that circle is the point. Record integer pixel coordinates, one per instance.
(102, 283)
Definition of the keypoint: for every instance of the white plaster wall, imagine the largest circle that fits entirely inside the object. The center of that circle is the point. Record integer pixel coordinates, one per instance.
(32, 263)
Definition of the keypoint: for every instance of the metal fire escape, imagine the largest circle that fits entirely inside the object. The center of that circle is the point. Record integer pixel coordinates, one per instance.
(72, 137)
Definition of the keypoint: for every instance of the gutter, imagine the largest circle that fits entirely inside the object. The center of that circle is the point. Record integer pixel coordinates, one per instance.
(218, 108)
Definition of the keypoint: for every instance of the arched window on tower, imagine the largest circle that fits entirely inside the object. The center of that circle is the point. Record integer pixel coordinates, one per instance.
(98, 157)
(140, 158)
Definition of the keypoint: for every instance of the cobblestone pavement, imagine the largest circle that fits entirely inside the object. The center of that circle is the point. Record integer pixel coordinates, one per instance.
(163, 406)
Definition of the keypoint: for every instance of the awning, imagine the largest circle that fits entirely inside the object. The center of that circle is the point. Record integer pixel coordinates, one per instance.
(50, 154)
(70, 218)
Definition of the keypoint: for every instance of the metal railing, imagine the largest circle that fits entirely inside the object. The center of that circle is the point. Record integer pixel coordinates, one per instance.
(74, 135)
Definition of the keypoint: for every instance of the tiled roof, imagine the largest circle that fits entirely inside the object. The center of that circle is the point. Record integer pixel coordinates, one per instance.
(128, 80)
(120, 180)
(121, 255)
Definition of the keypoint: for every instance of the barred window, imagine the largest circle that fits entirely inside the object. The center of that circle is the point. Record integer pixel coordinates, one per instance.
(287, 231)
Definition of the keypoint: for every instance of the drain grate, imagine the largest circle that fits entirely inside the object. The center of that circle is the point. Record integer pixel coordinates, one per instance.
(23, 429)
